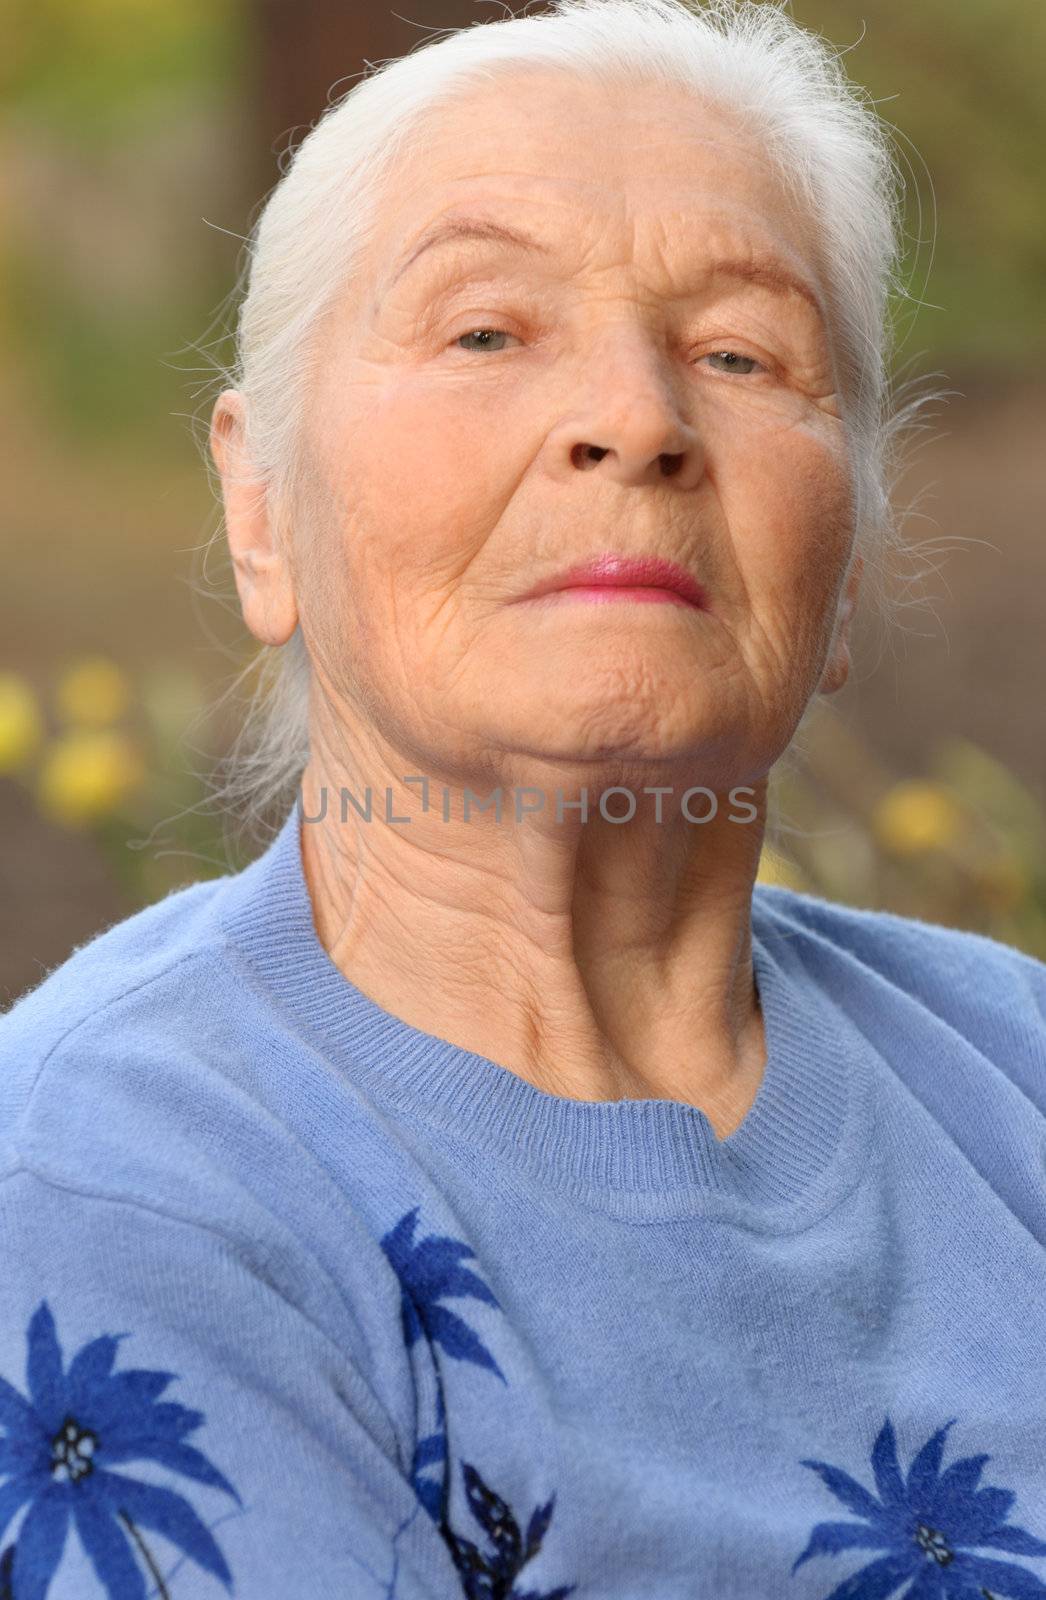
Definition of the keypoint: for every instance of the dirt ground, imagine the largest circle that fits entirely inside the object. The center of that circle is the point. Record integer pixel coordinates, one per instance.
(970, 661)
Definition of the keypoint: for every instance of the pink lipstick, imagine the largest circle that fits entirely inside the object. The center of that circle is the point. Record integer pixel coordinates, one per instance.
(612, 577)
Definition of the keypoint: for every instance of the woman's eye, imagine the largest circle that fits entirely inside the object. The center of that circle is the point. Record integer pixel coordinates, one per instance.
(482, 333)
(735, 361)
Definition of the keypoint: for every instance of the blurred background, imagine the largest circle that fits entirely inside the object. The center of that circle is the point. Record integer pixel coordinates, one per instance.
(139, 138)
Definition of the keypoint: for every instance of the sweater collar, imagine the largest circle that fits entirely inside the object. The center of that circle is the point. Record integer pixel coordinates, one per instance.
(800, 1147)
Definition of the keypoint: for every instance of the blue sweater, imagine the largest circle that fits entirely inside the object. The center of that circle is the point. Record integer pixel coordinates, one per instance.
(302, 1303)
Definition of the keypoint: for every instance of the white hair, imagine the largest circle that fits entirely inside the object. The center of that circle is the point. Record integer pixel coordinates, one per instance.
(783, 85)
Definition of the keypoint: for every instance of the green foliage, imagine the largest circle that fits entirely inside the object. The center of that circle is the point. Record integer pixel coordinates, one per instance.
(961, 81)
(94, 365)
(84, 66)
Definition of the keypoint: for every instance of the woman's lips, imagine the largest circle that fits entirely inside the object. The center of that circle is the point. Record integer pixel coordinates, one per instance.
(648, 579)
(599, 594)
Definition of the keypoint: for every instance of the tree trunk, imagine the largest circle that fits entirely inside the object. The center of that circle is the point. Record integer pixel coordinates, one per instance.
(308, 53)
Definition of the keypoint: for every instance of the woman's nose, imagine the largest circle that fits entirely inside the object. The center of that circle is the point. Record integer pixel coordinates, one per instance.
(584, 456)
(629, 424)
(632, 449)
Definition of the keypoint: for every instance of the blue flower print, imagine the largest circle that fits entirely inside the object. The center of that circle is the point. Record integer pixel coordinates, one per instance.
(492, 1576)
(429, 1452)
(428, 1272)
(56, 1454)
(929, 1523)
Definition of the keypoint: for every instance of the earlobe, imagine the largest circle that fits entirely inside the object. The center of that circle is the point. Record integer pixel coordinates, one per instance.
(263, 580)
(837, 668)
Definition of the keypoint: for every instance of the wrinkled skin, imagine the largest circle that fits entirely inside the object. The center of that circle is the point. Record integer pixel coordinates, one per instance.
(446, 472)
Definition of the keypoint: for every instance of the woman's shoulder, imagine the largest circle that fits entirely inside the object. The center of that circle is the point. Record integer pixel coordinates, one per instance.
(138, 951)
(140, 1090)
(990, 993)
(907, 947)
(128, 1030)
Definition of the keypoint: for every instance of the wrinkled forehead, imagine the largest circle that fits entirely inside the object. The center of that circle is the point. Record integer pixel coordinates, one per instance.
(600, 165)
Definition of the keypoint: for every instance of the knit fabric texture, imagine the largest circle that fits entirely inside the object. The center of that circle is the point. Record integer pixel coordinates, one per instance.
(301, 1302)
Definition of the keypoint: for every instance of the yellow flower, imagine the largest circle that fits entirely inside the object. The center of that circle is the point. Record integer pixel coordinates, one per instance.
(92, 692)
(86, 774)
(774, 869)
(915, 816)
(21, 725)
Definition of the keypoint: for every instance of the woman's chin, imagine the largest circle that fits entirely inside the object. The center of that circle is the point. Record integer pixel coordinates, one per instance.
(606, 738)
(638, 709)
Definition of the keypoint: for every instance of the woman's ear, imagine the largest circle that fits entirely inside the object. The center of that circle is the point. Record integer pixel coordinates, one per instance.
(263, 579)
(837, 667)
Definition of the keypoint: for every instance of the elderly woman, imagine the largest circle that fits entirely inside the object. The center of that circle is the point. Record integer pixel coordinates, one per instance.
(493, 1190)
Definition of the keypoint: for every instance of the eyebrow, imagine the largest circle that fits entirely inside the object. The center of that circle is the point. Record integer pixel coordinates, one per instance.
(761, 270)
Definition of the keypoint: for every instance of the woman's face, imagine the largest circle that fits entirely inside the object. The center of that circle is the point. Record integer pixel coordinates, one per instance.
(448, 472)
